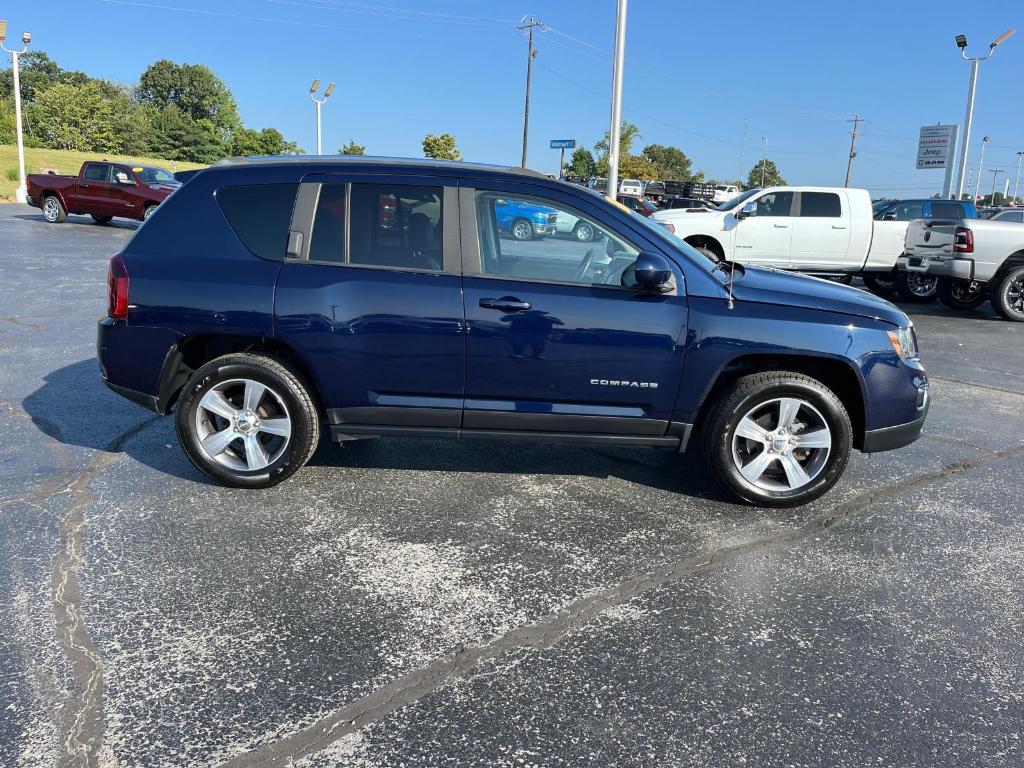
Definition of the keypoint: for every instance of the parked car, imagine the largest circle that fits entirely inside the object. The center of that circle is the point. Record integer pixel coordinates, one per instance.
(1015, 215)
(631, 187)
(908, 210)
(724, 193)
(688, 203)
(823, 231)
(525, 221)
(103, 190)
(641, 205)
(972, 259)
(265, 299)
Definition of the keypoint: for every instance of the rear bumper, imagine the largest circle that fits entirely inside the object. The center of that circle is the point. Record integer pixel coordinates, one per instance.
(958, 269)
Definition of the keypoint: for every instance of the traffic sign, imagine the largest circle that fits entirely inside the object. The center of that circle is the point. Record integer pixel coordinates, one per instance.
(563, 143)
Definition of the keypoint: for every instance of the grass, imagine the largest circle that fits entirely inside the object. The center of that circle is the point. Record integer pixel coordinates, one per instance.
(63, 161)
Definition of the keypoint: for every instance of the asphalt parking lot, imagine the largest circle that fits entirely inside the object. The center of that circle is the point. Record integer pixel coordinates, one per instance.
(412, 603)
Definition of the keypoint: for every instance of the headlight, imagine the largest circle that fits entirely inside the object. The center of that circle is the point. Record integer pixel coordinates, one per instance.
(904, 341)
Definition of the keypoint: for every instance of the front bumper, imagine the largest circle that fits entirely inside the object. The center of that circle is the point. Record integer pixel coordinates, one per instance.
(544, 230)
(900, 435)
(958, 269)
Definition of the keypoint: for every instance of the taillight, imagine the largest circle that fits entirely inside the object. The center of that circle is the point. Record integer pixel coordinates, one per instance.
(963, 240)
(117, 289)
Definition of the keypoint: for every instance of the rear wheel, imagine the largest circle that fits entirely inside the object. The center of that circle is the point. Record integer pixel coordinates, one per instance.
(583, 231)
(102, 219)
(1008, 295)
(778, 439)
(522, 229)
(247, 421)
(53, 209)
(961, 294)
(880, 283)
(917, 286)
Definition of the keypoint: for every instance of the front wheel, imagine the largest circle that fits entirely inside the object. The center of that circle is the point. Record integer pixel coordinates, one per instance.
(148, 211)
(917, 286)
(778, 439)
(522, 229)
(247, 421)
(1008, 295)
(961, 294)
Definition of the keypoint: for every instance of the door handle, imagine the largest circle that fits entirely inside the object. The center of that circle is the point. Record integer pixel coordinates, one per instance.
(781, 226)
(835, 227)
(505, 304)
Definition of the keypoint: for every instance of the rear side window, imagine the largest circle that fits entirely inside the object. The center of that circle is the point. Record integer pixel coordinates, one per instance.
(96, 172)
(260, 215)
(396, 226)
(820, 205)
(1017, 216)
(947, 211)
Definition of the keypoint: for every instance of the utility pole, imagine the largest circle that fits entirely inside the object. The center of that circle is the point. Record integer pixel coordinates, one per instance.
(857, 120)
(1016, 182)
(981, 167)
(529, 23)
(21, 193)
(995, 174)
(764, 157)
(618, 64)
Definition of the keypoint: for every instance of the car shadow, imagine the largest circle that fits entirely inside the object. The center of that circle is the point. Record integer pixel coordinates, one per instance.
(74, 407)
(76, 220)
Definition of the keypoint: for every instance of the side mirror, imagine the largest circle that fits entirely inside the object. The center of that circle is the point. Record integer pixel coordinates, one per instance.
(652, 272)
(748, 210)
(124, 180)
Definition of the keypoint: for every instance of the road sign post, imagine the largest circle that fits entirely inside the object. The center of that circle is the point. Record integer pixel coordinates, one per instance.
(562, 145)
(935, 149)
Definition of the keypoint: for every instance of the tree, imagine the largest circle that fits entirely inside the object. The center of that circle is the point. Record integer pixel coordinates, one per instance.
(177, 136)
(772, 177)
(352, 148)
(194, 90)
(248, 142)
(628, 133)
(75, 117)
(441, 147)
(7, 122)
(582, 164)
(670, 162)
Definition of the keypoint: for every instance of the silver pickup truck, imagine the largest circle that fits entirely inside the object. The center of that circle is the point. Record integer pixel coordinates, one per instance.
(974, 259)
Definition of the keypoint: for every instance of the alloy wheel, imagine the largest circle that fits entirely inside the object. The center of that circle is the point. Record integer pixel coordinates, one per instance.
(781, 444)
(921, 285)
(243, 425)
(51, 209)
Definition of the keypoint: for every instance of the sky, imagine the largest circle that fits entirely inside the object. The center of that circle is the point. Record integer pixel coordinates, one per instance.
(698, 75)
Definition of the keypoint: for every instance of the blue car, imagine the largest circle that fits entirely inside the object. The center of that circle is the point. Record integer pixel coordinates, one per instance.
(525, 221)
(269, 301)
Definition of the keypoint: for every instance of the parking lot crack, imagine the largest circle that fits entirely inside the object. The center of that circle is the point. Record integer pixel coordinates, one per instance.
(549, 630)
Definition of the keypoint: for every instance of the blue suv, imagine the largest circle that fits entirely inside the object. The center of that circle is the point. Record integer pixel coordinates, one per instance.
(271, 299)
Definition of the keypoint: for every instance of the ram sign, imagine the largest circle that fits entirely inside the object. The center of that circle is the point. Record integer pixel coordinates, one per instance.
(936, 146)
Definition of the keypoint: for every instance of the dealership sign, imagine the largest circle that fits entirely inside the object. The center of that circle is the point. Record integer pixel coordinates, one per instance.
(563, 143)
(936, 146)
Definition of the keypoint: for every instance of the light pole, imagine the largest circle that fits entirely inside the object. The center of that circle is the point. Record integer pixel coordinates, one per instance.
(618, 63)
(981, 167)
(764, 157)
(319, 104)
(995, 174)
(1016, 181)
(21, 193)
(961, 42)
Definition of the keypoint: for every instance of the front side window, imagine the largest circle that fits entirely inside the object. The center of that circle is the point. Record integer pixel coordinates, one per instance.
(122, 175)
(260, 214)
(820, 205)
(775, 204)
(903, 212)
(529, 238)
(95, 172)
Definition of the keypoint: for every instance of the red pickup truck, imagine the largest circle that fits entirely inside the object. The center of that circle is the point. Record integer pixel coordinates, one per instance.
(103, 190)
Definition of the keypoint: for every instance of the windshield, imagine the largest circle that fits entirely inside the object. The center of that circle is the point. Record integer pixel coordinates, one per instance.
(152, 175)
(672, 242)
(739, 199)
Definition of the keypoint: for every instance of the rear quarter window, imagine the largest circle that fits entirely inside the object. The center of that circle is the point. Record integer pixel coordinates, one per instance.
(947, 211)
(260, 215)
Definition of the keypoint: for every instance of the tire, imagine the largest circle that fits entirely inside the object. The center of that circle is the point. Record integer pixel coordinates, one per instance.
(759, 402)
(250, 455)
(961, 294)
(916, 287)
(102, 219)
(522, 229)
(841, 279)
(148, 211)
(53, 209)
(880, 283)
(708, 253)
(583, 231)
(1008, 295)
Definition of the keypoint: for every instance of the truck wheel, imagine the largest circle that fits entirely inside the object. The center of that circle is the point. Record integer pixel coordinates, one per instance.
(1008, 295)
(148, 211)
(841, 279)
(880, 283)
(102, 219)
(583, 231)
(53, 209)
(916, 287)
(778, 439)
(522, 229)
(247, 421)
(961, 294)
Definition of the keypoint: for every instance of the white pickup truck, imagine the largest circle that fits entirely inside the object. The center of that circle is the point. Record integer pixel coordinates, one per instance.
(827, 231)
(973, 259)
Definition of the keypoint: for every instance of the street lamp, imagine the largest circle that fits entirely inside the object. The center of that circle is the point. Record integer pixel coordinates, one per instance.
(961, 43)
(764, 158)
(1016, 181)
(995, 174)
(981, 167)
(21, 193)
(319, 104)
